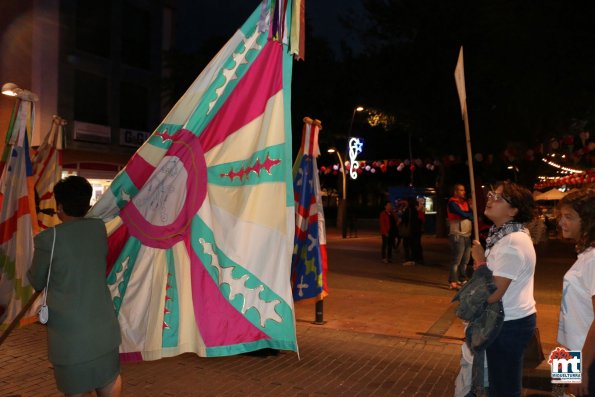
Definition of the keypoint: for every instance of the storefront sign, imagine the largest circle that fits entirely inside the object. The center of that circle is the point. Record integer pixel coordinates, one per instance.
(90, 132)
(133, 138)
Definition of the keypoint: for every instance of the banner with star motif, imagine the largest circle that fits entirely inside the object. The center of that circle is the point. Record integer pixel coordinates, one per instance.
(201, 220)
(309, 260)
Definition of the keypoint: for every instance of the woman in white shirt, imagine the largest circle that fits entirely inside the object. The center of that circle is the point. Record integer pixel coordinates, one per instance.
(575, 329)
(510, 255)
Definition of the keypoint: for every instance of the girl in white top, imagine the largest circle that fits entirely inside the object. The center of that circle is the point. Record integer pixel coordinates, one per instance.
(510, 255)
(576, 329)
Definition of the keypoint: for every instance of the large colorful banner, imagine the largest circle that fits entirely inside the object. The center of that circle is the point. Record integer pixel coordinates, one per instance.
(309, 261)
(17, 216)
(201, 220)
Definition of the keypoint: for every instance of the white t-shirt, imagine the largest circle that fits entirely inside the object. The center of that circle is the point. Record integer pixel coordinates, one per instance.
(513, 257)
(576, 310)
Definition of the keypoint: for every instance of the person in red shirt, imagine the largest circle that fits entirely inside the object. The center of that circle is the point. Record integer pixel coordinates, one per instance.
(460, 221)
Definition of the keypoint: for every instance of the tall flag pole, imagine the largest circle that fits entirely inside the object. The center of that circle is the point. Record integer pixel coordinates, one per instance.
(47, 168)
(460, 81)
(309, 262)
(17, 216)
(200, 222)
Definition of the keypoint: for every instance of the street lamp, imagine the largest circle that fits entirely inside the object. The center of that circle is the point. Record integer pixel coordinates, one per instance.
(357, 109)
(11, 89)
(341, 223)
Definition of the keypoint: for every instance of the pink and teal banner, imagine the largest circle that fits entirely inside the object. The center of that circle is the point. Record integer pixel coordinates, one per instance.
(201, 220)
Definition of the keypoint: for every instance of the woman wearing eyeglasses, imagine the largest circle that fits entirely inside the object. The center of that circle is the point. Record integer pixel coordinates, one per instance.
(510, 255)
(576, 329)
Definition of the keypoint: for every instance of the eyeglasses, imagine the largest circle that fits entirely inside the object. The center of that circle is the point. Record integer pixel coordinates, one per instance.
(497, 197)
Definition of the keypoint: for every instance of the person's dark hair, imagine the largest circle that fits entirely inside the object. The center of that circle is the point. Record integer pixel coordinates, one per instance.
(520, 198)
(583, 202)
(74, 194)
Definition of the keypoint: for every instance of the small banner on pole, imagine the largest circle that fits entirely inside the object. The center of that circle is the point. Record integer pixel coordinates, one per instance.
(17, 216)
(47, 168)
(309, 261)
(460, 81)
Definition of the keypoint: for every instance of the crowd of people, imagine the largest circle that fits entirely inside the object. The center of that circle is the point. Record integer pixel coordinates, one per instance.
(508, 255)
(404, 223)
(83, 342)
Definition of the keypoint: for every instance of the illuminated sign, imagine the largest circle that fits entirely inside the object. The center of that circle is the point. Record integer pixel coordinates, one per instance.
(355, 148)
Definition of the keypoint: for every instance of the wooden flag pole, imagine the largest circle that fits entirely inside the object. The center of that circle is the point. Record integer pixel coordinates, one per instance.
(460, 81)
(19, 316)
(471, 174)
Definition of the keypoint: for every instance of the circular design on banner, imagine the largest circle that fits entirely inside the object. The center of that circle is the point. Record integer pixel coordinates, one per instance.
(161, 213)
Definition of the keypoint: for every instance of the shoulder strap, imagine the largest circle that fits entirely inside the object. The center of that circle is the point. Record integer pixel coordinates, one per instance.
(45, 292)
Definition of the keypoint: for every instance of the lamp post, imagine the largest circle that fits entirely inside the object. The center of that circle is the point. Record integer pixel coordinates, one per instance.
(357, 109)
(11, 89)
(341, 223)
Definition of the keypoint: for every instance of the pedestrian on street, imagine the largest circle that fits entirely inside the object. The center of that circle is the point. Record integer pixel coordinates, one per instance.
(83, 331)
(510, 255)
(388, 231)
(460, 223)
(576, 329)
(398, 208)
(411, 231)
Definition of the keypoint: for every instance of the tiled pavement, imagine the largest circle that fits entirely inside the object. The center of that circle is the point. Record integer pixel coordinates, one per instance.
(375, 341)
(333, 363)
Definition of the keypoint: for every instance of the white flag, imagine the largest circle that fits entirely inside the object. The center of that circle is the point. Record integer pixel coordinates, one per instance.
(460, 80)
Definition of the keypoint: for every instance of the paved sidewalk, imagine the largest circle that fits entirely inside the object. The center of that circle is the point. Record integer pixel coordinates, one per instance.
(390, 331)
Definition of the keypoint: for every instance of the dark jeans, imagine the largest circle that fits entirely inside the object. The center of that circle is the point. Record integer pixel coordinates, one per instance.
(412, 247)
(505, 357)
(387, 247)
(460, 247)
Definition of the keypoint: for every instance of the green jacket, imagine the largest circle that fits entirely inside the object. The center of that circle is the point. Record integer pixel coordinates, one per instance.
(82, 321)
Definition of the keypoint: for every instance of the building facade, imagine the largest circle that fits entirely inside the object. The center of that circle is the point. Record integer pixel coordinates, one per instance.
(97, 64)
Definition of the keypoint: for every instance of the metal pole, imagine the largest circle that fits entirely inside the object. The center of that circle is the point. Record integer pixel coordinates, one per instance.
(319, 313)
(342, 213)
(410, 161)
(351, 124)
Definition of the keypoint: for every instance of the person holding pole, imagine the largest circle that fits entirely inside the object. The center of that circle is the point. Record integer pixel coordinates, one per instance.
(510, 255)
(460, 219)
(83, 331)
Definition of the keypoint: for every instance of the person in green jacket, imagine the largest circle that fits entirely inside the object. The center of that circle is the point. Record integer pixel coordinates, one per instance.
(83, 331)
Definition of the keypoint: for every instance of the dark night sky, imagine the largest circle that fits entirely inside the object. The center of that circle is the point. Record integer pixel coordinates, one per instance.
(197, 20)
(530, 68)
